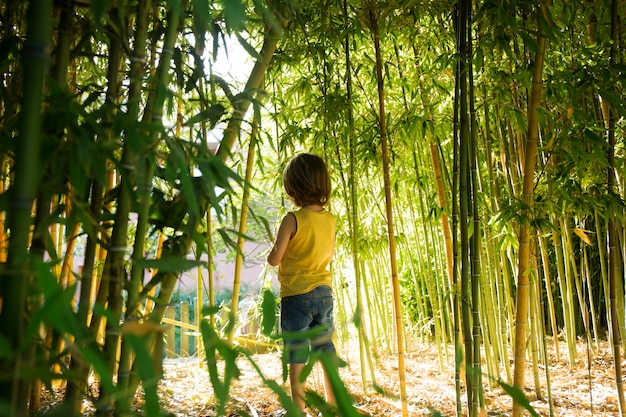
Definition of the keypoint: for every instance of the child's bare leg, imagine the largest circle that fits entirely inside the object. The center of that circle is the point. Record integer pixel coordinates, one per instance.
(328, 390)
(297, 387)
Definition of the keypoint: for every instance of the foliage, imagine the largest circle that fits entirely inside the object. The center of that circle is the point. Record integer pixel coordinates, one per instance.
(106, 110)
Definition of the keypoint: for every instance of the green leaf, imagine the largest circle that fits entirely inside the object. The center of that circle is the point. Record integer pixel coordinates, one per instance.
(201, 16)
(5, 347)
(268, 306)
(213, 115)
(519, 397)
(145, 367)
(234, 14)
(100, 8)
(284, 398)
(215, 349)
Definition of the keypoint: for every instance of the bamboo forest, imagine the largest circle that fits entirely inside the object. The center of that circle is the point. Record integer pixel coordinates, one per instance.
(476, 150)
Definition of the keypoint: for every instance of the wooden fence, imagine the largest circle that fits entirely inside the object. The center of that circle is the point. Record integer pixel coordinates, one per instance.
(182, 332)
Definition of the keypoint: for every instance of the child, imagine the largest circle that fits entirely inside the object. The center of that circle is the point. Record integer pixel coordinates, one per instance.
(303, 250)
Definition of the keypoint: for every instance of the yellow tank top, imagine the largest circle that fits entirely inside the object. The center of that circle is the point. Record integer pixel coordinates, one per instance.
(305, 264)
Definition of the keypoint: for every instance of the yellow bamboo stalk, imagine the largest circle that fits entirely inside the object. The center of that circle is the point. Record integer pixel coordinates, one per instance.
(184, 335)
(443, 204)
(548, 284)
(530, 155)
(243, 219)
(397, 303)
(534, 327)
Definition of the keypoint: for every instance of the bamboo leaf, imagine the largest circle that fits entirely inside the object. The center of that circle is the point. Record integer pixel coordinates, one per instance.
(201, 17)
(284, 398)
(268, 306)
(519, 397)
(100, 8)
(147, 373)
(581, 233)
(213, 115)
(215, 347)
(5, 348)
(234, 14)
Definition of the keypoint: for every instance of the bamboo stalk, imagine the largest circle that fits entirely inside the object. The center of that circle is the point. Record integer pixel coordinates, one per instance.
(114, 271)
(365, 357)
(153, 112)
(534, 327)
(17, 275)
(548, 284)
(243, 218)
(475, 243)
(530, 154)
(464, 161)
(567, 294)
(613, 230)
(373, 19)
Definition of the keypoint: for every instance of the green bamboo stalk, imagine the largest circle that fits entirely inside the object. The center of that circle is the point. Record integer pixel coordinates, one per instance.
(493, 341)
(365, 356)
(567, 294)
(378, 299)
(510, 174)
(456, 289)
(371, 321)
(433, 290)
(17, 276)
(42, 232)
(571, 256)
(114, 271)
(475, 243)
(586, 281)
(495, 300)
(153, 113)
(464, 155)
(613, 230)
(77, 387)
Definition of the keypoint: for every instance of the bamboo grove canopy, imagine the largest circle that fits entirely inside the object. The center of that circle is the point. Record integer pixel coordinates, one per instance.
(477, 152)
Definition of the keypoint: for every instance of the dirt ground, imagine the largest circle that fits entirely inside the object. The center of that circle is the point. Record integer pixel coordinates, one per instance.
(577, 391)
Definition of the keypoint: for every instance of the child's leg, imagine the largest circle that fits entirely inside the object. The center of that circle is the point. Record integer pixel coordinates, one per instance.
(297, 387)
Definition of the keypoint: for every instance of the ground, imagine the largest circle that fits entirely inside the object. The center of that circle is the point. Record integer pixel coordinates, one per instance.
(577, 391)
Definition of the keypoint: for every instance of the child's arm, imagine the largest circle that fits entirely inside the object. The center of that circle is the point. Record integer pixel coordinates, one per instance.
(285, 232)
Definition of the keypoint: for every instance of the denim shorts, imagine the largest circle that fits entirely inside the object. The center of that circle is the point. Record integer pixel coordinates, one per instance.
(305, 312)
